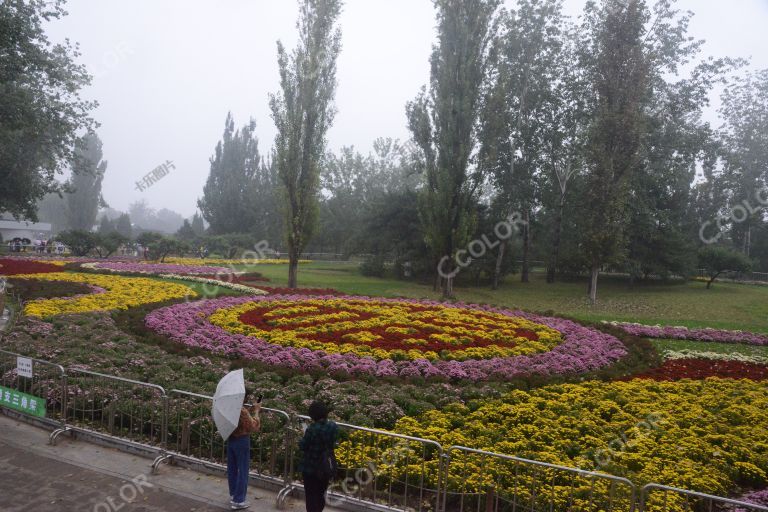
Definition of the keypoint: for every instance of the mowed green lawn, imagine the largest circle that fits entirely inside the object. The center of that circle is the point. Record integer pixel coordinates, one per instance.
(725, 306)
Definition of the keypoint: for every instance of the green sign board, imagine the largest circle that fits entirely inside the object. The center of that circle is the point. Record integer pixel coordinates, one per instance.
(22, 402)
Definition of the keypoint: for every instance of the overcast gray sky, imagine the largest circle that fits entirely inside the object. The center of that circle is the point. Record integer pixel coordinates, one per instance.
(167, 71)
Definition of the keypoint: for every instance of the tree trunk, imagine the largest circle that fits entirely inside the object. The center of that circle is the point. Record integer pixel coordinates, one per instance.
(593, 284)
(448, 287)
(526, 248)
(556, 242)
(497, 268)
(748, 241)
(293, 267)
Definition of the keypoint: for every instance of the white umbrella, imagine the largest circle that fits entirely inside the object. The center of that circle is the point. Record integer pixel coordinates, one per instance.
(228, 401)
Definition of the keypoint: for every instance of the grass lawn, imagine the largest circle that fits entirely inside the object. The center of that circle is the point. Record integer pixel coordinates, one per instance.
(725, 306)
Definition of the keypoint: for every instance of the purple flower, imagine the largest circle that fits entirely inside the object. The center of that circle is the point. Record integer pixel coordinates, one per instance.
(684, 333)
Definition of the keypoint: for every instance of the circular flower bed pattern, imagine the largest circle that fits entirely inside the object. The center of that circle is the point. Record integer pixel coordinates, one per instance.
(387, 337)
(119, 293)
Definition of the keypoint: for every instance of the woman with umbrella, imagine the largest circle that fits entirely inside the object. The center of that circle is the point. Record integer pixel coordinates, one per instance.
(236, 422)
(239, 453)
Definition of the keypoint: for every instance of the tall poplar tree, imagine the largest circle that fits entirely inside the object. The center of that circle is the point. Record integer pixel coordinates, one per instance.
(443, 121)
(85, 199)
(303, 112)
(513, 124)
(620, 86)
(745, 138)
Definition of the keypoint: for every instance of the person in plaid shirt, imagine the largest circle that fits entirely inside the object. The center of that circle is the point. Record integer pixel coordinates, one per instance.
(318, 442)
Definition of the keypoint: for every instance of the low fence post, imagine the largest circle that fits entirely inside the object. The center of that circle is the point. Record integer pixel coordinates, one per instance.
(164, 439)
(442, 481)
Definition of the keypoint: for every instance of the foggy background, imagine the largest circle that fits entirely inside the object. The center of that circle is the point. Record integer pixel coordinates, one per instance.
(166, 72)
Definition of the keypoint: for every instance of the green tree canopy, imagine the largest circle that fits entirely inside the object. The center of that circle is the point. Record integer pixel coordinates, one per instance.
(227, 202)
(41, 111)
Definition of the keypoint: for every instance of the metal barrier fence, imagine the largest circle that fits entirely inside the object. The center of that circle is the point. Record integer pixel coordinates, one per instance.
(756, 277)
(192, 435)
(124, 408)
(481, 481)
(662, 498)
(380, 470)
(385, 469)
(48, 383)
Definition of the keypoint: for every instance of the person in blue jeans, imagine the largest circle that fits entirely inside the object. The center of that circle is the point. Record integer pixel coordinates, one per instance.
(319, 441)
(239, 454)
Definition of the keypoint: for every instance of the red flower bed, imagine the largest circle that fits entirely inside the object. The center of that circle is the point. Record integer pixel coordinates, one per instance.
(388, 340)
(676, 369)
(12, 267)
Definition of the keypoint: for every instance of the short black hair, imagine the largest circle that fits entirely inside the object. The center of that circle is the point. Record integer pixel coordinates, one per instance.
(318, 411)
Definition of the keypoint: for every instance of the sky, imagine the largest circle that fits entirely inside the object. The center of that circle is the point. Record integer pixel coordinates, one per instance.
(166, 72)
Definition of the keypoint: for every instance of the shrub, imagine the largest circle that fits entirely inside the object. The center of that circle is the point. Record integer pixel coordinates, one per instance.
(373, 267)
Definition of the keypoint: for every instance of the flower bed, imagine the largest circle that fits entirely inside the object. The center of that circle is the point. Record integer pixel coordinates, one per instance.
(32, 289)
(714, 356)
(214, 283)
(684, 333)
(300, 291)
(676, 369)
(239, 278)
(14, 266)
(154, 268)
(756, 497)
(698, 435)
(228, 262)
(560, 347)
(121, 293)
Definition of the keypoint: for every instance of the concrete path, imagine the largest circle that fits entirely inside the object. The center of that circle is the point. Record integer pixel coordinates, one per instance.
(75, 476)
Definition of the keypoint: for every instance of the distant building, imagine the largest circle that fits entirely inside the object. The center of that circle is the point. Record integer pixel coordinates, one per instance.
(10, 229)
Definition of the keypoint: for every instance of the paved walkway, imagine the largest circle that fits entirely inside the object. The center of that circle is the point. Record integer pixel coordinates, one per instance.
(75, 476)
